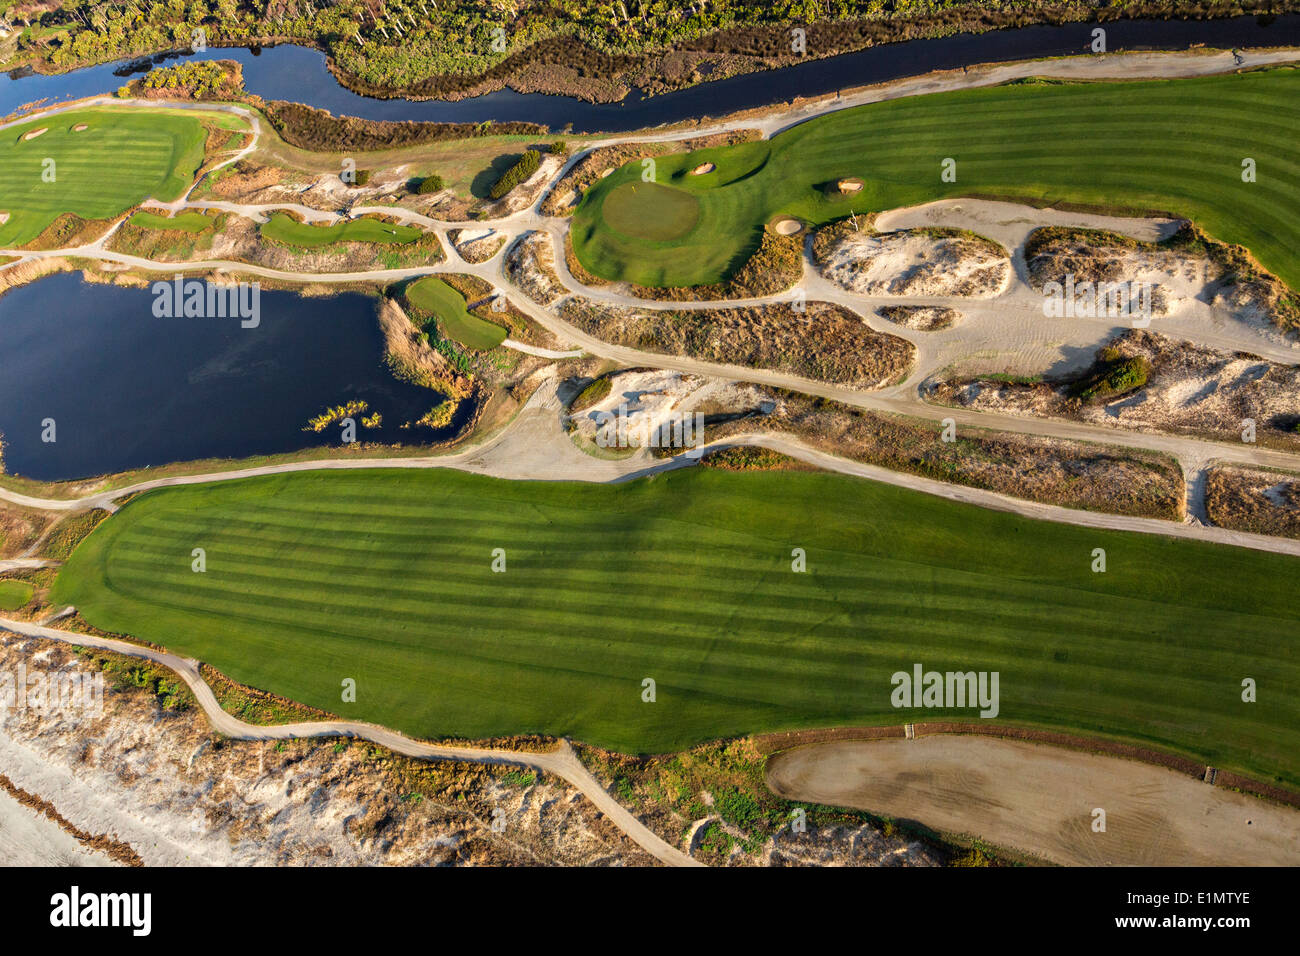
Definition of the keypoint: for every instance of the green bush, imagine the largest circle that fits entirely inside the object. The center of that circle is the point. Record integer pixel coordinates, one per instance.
(559, 148)
(1113, 375)
(516, 174)
(432, 183)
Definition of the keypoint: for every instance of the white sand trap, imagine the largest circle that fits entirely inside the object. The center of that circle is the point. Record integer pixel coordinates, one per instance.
(849, 186)
(607, 172)
(787, 227)
(703, 168)
(80, 128)
(4, 218)
(32, 134)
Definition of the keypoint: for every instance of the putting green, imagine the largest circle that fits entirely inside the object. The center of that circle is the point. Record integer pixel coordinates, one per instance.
(385, 577)
(191, 222)
(284, 229)
(651, 211)
(123, 157)
(1170, 145)
(447, 306)
(14, 594)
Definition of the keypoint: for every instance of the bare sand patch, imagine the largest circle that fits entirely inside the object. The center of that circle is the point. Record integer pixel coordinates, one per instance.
(703, 168)
(917, 263)
(32, 134)
(651, 402)
(1189, 390)
(787, 226)
(1039, 799)
(80, 128)
(921, 318)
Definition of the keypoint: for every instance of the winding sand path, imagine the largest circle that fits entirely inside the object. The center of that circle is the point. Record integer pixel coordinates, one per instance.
(562, 762)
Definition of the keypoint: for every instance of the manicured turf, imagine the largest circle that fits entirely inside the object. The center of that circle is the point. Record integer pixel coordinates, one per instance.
(283, 229)
(650, 211)
(448, 307)
(1174, 145)
(385, 577)
(123, 157)
(14, 594)
(191, 222)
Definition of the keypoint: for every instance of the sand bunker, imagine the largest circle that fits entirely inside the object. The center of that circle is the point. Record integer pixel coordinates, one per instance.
(1040, 799)
(849, 186)
(32, 134)
(80, 128)
(4, 218)
(787, 227)
(609, 171)
(703, 168)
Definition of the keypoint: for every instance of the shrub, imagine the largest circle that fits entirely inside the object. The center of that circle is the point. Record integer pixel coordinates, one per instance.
(559, 148)
(432, 183)
(516, 174)
(1113, 375)
(591, 394)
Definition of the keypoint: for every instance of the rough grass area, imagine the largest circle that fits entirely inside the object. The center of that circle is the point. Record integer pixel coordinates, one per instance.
(717, 796)
(385, 577)
(121, 158)
(1247, 499)
(822, 342)
(282, 228)
(1181, 144)
(436, 299)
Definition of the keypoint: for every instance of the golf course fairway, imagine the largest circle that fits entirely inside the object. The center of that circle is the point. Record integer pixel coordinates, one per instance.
(386, 577)
(121, 157)
(1176, 146)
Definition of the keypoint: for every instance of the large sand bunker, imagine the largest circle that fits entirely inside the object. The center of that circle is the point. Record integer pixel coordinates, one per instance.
(787, 226)
(703, 168)
(32, 134)
(1040, 799)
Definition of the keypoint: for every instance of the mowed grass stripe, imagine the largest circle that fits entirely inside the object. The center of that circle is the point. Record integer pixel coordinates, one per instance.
(154, 153)
(698, 595)
(1168, 145)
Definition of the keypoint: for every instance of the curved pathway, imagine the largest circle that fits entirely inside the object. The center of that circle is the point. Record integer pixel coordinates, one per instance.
(562, 762)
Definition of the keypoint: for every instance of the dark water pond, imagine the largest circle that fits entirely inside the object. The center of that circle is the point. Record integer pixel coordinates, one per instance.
(127, 389)
(299, 74)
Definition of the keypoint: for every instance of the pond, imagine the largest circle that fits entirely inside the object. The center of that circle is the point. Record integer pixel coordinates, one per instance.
(125, 388)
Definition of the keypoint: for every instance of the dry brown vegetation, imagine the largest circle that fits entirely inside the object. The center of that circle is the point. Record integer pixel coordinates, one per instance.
(921, 318)
(320, 131)
(1054, 471)
(713, 802)
(530, 265)
(1254, 500)
(824, 342)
